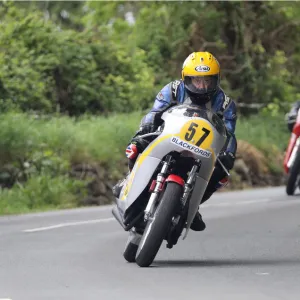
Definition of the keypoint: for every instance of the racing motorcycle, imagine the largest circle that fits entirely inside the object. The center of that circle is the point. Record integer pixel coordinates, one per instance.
(161, 195)
(292, 159)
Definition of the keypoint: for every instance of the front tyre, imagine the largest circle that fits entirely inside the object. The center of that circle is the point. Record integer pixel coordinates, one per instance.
(294, 172)
(158, 226)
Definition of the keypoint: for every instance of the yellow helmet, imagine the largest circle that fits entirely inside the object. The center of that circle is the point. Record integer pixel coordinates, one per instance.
(201, 76)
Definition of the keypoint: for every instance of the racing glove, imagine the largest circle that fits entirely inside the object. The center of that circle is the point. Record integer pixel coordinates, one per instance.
(227, 159)
(147, 128)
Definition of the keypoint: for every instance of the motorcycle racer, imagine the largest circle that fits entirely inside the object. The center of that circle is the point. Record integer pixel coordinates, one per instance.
(200, 86)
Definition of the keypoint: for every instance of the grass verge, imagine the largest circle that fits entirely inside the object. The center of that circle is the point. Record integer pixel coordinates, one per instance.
(38, 152)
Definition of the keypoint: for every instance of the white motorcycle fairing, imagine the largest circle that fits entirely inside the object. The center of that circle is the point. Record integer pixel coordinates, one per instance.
(200, 135)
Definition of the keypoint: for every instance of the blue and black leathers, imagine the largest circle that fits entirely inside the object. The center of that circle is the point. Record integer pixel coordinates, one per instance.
(174, 93)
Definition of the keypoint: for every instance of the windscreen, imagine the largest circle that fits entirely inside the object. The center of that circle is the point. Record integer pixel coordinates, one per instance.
(196, 112)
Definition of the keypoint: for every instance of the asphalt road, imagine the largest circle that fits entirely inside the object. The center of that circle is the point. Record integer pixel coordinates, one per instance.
(250, 250)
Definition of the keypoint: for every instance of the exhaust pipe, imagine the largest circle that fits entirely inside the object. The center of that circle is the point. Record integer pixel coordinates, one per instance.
(117, 215)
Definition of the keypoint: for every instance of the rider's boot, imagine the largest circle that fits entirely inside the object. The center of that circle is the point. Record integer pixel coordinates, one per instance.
(132, 245)
(198, 224)
(134, 237)
(131, 153)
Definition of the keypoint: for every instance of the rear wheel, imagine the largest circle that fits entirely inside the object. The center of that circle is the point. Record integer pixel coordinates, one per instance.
(132, 245)
(293, 176)
(130, 252)
(158, 226)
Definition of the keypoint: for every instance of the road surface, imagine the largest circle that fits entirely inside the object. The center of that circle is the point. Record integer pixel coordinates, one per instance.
(250, 250)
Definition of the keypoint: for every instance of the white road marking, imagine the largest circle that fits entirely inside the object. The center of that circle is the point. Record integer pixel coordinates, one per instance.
(236, 203)
(263, 274)
(62, 212)
(253, 201)
(221, 204)
(68, 224)
(4, 299)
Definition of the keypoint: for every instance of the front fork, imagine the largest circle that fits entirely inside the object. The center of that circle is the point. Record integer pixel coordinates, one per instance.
(188, 188)
(161, 177)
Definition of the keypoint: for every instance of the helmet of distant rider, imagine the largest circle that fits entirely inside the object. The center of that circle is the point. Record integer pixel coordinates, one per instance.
(201, 76)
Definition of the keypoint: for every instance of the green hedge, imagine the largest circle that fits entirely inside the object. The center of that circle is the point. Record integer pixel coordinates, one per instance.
(36, 153)
(26, 137)
(46, 69)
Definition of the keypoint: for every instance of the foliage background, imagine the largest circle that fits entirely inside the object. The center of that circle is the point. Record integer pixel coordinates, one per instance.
(72, 73)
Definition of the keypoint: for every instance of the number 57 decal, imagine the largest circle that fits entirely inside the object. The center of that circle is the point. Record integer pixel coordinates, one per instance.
(191, 132)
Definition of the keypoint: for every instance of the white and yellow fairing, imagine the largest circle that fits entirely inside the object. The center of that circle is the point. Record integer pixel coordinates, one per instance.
(188, 130)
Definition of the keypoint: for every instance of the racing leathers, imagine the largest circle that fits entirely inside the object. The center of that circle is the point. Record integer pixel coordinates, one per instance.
(174, 93)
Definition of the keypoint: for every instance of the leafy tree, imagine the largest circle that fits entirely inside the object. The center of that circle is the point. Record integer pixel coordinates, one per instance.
(45, 68)
(95, 57)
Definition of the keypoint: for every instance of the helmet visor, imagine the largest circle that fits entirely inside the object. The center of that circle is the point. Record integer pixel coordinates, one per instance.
(201, 84)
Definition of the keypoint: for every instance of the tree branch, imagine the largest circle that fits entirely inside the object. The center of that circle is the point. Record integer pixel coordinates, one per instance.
(283, 27)
(236, 71)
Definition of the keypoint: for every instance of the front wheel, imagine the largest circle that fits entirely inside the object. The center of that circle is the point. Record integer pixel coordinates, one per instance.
(158, 226)
(293, 176)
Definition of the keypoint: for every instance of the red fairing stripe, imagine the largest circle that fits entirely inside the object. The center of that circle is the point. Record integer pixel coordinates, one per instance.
(153, 184)
(175, 178)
